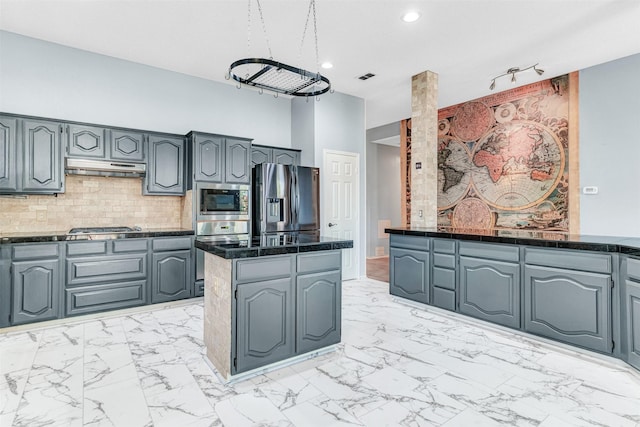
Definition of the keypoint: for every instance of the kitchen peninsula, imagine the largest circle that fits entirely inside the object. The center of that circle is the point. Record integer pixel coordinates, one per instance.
(270, 300)
(580, 290)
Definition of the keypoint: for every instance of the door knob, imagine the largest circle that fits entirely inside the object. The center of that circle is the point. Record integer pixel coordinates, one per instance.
(332, 225)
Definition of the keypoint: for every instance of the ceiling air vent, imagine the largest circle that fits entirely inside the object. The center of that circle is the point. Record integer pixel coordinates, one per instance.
(366, 76)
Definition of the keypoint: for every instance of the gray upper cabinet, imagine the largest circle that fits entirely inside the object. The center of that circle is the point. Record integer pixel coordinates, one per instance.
(490, 290)
(42, 157)
(86, 141)
(8, 154)
(261, 154)
(208, 158)
(238, 169)
(165, 166)
(265, 323)
(318, 307)
(409, 274)
(95, 142)
(220, 159)
(286, 157)
(126, 145)
(570, 306)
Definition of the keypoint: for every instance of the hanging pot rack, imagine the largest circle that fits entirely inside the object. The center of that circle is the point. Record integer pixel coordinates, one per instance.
(275, 76)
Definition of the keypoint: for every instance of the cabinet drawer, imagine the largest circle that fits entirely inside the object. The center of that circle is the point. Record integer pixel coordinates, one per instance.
(87, 248)
(263, 268)
(441, 260)
(89, 299)
(172, 244)
(42, 250)
(444, 246)
(106, 269)
(444, 278)
(409, 242)
(575, 260)
(444, 298)
(319, 261)
(490, 251)
(129, 245)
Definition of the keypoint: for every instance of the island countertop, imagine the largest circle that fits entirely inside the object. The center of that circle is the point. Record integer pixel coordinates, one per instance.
(273, 245)
(547, 239)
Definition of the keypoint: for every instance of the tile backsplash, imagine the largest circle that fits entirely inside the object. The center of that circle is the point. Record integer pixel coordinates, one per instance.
(91, 201)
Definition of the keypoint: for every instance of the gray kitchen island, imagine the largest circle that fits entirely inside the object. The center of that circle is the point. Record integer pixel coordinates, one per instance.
(269, 301)
(580, 290)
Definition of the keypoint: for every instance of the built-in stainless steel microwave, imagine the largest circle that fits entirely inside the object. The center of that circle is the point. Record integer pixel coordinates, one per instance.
(223, 200)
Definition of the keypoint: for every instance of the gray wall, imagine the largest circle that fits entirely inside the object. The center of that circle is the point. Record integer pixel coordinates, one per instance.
(45, 79)
(383, 192)
(610, 147)
(338, 124)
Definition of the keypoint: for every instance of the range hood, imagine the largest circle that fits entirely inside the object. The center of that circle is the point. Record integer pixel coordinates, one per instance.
(75, 166)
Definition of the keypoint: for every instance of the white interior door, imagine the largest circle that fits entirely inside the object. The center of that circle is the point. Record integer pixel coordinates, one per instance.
(340, 184)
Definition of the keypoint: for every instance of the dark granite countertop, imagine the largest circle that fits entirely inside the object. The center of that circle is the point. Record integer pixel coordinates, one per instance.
(264, 247)
(53, 236)
(547, 239)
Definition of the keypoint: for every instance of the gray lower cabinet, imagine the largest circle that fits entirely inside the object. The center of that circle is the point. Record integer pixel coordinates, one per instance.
(443, 277)
(165, 166)
(318, 310)
(490, 290)
(570, 306)
(102, 297)
(409, 274)
(170, 276)
(265, 323)
(632, 301)
(285, 305)
(172, 269)
(35, 283)
(5, 288)
(105, 275)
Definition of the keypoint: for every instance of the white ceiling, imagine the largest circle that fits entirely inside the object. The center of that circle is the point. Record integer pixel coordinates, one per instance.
(467, 42)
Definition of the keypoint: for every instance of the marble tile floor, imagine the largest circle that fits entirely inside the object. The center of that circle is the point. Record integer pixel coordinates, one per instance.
(398, 365)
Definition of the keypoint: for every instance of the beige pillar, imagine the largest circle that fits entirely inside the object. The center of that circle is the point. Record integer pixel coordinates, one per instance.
(424, 149)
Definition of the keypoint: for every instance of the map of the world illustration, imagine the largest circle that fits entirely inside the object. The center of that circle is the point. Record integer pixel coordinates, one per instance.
(502, 160)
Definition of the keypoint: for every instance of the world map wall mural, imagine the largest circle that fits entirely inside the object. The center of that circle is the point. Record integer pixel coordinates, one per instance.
(503, 160)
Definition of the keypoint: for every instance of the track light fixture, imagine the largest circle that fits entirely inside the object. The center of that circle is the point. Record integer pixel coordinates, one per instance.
(513, 71)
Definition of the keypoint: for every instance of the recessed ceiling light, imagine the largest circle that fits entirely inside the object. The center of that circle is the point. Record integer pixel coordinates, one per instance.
(327, 65)
(411, 16)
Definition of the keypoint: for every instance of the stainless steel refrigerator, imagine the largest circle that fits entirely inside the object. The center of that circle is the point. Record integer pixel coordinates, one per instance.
(286, 199)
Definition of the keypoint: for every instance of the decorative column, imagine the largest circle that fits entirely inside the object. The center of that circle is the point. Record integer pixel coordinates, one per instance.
(424, 150)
